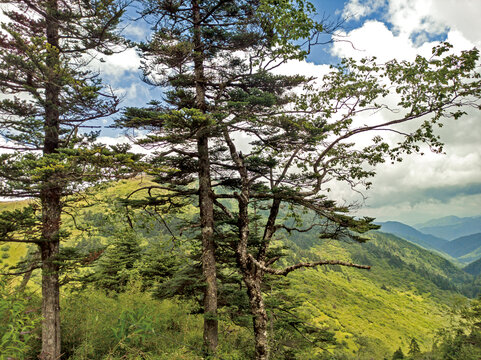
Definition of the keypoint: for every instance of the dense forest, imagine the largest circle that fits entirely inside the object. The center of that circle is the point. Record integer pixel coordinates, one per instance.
(222, 238)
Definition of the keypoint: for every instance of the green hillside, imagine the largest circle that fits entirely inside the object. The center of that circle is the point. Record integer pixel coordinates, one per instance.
(11, 253)
(393, 256)
(407, 294)
(473, 268)
(459, 251)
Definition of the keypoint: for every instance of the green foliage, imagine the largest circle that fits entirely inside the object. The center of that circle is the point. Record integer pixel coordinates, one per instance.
(372, 312)
(116, 266)
(474, 268)
(134, 326)
(466, 248)
(414, 348)
(349, 313)
(49, 96)
(463, 340)
(19, 320)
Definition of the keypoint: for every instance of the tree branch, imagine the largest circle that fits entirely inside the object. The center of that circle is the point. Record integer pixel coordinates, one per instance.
(291, 268)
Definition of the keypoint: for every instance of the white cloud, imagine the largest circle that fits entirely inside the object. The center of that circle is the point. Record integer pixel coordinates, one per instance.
(130, 93)
(135, 31)
(117, 65)
(296, 67)
(429, 209)
(375, 39)
(399, 190)
(413, 17)
(435, 16)
(122, 139)
(355, 9)
(4, 150)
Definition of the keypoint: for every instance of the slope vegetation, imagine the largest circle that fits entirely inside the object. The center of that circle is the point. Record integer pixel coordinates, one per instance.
(407, 294)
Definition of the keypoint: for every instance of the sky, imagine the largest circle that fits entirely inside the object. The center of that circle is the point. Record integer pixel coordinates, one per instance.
(421, 187)
(433, 185)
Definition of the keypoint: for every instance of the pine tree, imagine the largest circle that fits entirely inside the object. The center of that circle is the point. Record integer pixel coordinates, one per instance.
(118, 263)
(202, 51)
(50, 98)
(398, 354)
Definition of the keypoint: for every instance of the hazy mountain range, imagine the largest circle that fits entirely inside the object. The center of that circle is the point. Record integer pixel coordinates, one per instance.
(451, 227)
(455, 238)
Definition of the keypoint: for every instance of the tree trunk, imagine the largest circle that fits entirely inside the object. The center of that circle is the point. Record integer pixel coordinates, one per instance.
(50, 195)
(208, 249)
(259, 314)
(50, 303)
(252, 276)
(206, 204)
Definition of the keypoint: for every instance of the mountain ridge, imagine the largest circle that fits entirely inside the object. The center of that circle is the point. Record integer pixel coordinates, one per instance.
(411, 234)
(451, 227)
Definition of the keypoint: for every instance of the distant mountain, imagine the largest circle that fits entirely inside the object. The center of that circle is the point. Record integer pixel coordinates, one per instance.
(463, 246)
(409, 233)
(451, 227)
(474, 268)
(443, 221)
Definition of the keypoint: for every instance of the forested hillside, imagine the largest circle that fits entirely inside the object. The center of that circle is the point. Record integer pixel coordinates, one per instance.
(408, 293)
(462, 250)
(473, 268)
(466, 248)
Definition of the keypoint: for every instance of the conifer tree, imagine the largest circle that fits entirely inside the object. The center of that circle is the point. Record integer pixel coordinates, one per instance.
(49, 99)
(414, 348)
(200, 51)
(398, 354)
(118, 262)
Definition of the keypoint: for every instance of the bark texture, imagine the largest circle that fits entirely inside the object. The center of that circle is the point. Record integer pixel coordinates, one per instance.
(50, 199)
(260, 319)
(206, 204)
(208, 249)
(50, 303)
